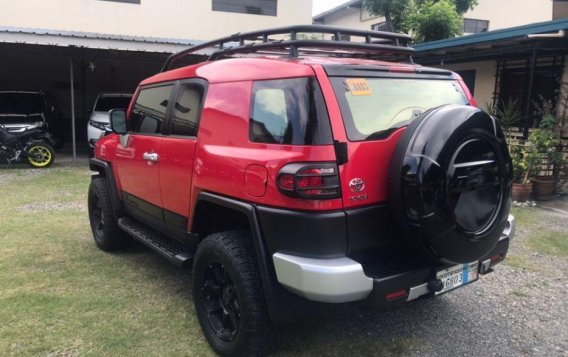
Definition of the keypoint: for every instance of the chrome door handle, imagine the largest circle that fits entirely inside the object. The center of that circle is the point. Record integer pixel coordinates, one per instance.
(150, 157)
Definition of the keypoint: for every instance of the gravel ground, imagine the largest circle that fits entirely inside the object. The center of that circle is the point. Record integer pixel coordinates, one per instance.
(519, 310)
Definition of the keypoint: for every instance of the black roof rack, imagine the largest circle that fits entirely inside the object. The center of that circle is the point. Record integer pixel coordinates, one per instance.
(300, 40)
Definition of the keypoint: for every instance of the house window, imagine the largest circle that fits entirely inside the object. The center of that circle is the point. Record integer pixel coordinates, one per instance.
(475, 26)
(381, 26)
(468, 77)
(256, 7)
(126, 1)
(513, 81)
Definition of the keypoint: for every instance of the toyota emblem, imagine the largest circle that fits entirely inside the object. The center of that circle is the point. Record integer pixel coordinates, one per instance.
(356, 185)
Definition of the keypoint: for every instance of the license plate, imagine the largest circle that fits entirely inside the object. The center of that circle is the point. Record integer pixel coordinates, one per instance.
(457, 276)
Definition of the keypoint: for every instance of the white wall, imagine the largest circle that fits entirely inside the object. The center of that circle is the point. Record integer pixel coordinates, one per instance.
(510, 13)
(184, 19)
(352, 18)
(484, 79)
(500, 13)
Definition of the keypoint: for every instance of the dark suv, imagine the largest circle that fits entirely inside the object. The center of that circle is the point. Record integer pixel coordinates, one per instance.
(294, 172)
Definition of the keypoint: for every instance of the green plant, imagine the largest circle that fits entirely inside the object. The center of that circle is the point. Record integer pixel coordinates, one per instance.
(525, 159)
(545, 142)
(506, 113)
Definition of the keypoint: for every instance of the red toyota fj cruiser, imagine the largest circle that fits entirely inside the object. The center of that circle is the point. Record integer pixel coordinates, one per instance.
(292, 172)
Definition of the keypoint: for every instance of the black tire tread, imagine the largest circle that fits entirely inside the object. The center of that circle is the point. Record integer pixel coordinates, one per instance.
(113, 238)
(261, 337)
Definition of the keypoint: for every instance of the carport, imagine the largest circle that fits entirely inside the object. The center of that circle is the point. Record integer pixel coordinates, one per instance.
(74, 67)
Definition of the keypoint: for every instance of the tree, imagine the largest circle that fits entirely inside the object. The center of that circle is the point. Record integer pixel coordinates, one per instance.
(462, 6)
(437, 21)
(396, 12)
(429, 20)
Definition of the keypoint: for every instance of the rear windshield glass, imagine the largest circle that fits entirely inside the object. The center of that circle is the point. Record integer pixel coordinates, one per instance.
(289, 111)
(372, 108)
(21, 103)
(104, 104)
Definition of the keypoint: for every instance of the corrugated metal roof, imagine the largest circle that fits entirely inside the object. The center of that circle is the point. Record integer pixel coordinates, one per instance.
(93, 40)
(495, 36)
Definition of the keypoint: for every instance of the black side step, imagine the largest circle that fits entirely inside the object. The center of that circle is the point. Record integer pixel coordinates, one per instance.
(170, 249)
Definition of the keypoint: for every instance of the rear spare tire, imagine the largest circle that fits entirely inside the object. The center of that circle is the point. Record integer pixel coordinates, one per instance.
(450, 184)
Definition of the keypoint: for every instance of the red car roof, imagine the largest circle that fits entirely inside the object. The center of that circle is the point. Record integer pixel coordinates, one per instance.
(260, 68)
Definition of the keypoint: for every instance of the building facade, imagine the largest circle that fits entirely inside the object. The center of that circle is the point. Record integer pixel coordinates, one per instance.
(488, 15)
(76, 49)
(179, 19)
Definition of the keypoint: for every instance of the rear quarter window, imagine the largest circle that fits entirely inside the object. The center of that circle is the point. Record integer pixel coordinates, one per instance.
(289, 111)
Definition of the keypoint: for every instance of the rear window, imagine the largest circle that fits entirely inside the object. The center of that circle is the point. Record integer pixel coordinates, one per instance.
(372, 108)
(289, 111)
(104, 104)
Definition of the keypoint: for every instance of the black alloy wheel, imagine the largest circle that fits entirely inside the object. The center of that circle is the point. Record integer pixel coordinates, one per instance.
(96, 215)
(229, 298)
(221, 302)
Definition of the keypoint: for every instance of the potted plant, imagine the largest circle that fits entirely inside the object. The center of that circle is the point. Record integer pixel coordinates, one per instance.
(544, 140)
(506, 113)
(524, 160)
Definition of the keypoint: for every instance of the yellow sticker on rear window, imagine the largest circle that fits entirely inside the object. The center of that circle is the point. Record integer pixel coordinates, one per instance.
(359, 86)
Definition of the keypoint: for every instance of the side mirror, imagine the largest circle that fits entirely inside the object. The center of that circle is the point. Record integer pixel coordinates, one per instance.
(52, 109)
(118, 121)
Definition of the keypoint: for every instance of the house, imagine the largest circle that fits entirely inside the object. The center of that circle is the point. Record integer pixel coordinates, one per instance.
(510, 49)
(488, 15)
(524, 63)
(75, 49)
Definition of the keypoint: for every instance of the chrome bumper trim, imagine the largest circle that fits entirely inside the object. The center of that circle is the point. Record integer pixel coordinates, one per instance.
(510, 228)
(326, 280)
(418, 291)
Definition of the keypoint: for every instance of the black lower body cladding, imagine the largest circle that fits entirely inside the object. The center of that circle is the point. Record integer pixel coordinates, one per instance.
(356, 233)
(451, 184)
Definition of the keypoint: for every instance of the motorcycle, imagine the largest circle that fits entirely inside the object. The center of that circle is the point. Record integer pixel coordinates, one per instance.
(33, 145)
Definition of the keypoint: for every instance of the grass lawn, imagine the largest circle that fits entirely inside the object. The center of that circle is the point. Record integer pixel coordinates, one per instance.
(61, 296)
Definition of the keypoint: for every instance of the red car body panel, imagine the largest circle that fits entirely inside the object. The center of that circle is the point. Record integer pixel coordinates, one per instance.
(218, 161)
(137, 176)
(176, 173)
(228, 152)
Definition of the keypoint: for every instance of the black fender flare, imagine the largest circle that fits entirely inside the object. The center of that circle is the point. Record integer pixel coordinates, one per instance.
(283, 306)
(104, 169)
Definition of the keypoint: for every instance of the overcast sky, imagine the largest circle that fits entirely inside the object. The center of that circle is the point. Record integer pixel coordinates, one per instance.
(323, 5)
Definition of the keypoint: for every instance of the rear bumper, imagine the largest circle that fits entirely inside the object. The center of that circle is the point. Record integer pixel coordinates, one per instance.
(339, 280)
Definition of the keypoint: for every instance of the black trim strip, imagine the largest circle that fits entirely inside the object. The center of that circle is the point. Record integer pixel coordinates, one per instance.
(341, 70)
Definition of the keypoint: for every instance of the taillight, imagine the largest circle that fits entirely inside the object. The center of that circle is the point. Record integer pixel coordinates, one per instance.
(310, 180)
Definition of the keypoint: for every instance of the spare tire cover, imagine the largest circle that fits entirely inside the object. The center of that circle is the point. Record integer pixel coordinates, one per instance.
(450, 183)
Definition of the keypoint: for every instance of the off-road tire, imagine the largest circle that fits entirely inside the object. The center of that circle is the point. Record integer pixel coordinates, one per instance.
(108, 236)
(234, 252)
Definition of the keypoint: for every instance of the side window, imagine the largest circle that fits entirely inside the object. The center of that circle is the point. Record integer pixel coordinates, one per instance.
(187, 110)
(149, 110)
(289, 111)
(269, 116)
